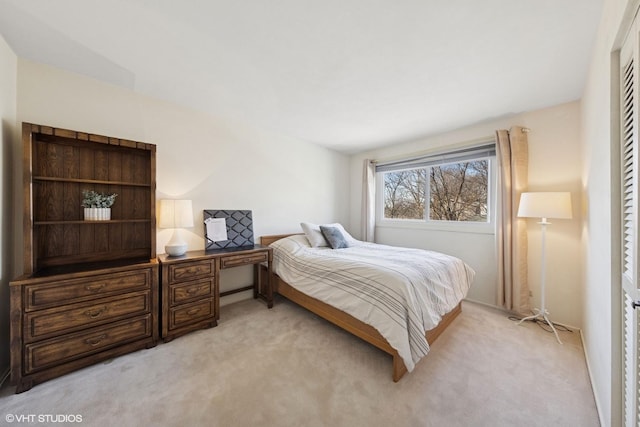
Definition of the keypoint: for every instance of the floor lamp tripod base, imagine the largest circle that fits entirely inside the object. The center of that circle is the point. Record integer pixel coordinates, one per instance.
(543, 316)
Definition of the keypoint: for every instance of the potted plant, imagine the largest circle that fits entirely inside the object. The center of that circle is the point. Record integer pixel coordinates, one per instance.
(97, 206)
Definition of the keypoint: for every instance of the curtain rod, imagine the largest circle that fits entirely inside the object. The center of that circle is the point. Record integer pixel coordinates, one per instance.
(437, 150)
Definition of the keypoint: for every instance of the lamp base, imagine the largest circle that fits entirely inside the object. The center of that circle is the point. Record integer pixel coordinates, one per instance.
(543, 315)
(176, 246)
(176, 250)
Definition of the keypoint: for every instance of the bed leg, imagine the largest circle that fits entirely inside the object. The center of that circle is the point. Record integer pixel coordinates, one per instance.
(398, 368)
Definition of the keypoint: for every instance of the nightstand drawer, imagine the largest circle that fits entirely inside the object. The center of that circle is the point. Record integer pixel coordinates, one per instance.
(82, 289)
(190, 293)
(237, 260)
(70, 347)
(185, 271)
(40, 324)
(191, 290)
(191, 313)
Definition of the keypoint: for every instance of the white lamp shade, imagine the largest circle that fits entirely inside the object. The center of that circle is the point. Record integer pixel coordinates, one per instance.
(545, 205)
(175, 214)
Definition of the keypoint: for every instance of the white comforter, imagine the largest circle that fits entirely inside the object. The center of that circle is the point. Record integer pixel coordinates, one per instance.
(401, 292)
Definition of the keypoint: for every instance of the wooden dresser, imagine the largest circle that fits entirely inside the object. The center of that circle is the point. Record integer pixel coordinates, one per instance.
(89, 291)
(64, 322)
(190, 286)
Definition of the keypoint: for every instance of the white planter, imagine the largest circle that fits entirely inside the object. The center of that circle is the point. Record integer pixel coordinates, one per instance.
(97, 214)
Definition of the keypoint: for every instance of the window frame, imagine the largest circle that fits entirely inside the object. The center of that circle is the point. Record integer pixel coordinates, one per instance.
(487, 227)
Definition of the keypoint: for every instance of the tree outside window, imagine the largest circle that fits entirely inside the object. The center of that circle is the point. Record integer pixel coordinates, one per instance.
(456, 192)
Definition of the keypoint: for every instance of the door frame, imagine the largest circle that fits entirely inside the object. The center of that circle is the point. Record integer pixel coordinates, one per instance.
(617, 341)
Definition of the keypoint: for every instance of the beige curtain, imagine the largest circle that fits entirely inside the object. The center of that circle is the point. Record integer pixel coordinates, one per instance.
(368, 220)
(513, 159)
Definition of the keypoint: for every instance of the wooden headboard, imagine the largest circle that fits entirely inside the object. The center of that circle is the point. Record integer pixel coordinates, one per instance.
(267, 240)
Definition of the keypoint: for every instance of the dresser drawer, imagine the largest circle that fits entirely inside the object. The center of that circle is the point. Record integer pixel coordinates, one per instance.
(73, 346)
(236, 260)
(41, 324)
(68, 291)
(191, 313)
(191, 290)
(185, 271)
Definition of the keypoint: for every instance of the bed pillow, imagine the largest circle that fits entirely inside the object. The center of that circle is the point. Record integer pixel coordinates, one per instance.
(348, 237)
(314, 235)
(334, 237)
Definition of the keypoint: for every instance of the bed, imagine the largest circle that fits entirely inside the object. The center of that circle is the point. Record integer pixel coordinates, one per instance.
(309, 276)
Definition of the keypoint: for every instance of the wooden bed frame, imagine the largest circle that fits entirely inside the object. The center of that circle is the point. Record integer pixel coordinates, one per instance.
(348, 322)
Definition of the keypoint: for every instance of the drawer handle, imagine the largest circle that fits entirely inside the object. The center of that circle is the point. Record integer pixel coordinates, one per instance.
(189, 271)
(94, 288)
(193, 311)
(95, 313)
(194, 270)
(95, 341)
(192, 291)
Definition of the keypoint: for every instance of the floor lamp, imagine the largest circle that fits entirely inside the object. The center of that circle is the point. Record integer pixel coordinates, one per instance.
(544, 205)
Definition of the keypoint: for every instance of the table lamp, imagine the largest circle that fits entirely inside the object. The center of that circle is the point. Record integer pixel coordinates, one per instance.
(176, 214)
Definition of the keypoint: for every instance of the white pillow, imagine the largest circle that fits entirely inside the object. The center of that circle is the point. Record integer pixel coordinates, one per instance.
(315, 237)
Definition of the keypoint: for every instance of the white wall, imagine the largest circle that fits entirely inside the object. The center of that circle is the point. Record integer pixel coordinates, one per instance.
(601, 323)
(8, 142)
(554, 165)
(219, 164)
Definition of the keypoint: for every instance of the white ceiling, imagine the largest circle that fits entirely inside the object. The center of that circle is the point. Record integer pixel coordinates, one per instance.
(347, 74)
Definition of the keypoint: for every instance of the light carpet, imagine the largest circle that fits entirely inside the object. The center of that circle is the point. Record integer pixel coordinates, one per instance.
(287, 367)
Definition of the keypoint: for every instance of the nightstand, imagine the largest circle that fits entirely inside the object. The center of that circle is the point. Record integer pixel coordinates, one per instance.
(190, 283)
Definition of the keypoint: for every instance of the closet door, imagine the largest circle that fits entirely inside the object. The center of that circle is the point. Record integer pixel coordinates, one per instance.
(629, 230)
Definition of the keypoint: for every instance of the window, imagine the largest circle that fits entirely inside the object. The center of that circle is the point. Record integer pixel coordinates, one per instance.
(459, 191)
(451, 187)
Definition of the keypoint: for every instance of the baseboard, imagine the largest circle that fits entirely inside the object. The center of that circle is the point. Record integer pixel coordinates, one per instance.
(593, 390)
(484, 304)
(237, 297)
(573, 328)
(513, 313)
